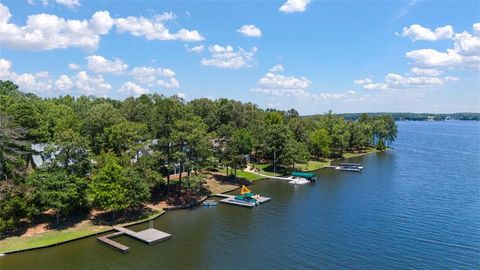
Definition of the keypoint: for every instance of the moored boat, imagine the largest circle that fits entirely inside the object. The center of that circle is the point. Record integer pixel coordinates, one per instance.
(311, 177)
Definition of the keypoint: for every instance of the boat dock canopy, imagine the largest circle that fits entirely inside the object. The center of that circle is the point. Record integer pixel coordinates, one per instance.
(304, 175)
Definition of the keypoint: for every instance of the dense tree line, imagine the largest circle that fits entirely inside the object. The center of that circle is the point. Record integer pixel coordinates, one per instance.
(112, 155)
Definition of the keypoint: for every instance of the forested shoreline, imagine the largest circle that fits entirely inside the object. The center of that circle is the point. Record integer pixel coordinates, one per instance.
(112, 156)
(464, 116)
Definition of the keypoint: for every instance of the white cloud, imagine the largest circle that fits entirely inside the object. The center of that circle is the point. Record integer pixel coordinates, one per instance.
(37, 83)
(250, 31)
(395, 81)
(132, 89)
(279, 85)
(149, 76)
(42, 83)
(64, 83)
(349, 94)
(5, 66)
(363, 81)
(73, 66)
(69, 3)
(89, 85)
(196, 49)
(171, 83)
(476, 28)
(294, 6)
(431, 57)
(47, 32)
(227, 57)
(277, 68)
(99, 64)
(33, 2)
(154, 28)
(426, 71)
(418, 32)
(465, 53)
(31, 83)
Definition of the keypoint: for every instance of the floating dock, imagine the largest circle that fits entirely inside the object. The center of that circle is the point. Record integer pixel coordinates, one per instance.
(230, 199)
(148, 236)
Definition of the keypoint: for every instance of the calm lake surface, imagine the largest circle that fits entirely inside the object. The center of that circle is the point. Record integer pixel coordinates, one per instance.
(417, 206)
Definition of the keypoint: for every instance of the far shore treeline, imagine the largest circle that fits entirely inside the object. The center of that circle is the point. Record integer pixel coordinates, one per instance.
(113, 156)
(464, 116)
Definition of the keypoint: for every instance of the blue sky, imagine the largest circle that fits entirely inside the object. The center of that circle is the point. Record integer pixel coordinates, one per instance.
(348, 56)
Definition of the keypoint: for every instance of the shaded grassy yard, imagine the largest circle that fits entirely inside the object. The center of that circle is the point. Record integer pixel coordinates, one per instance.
(246, 175)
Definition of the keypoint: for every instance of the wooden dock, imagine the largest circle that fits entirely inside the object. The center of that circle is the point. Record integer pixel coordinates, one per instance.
(230, 199)
(149, 236)
(106, 240)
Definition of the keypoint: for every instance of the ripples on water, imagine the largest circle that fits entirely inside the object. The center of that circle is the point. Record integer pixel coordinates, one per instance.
(416, 206)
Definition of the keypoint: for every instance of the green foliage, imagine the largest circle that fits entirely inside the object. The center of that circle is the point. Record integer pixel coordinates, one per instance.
(320, 142)
(120, 137)
(70, 151)
(115, 188)
(294, 152)
(98, 118)
(13, 206)
(59, 191)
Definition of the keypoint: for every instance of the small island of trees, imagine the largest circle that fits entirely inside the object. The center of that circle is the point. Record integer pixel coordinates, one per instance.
(66, 155)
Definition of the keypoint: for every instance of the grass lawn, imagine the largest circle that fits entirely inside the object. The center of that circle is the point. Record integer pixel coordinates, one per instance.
(57, 236)
(218, 187)
(247, 175)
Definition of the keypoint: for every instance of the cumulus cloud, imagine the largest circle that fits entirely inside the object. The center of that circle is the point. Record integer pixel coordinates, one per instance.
(39, 82)
(349, 94)
(90, 85)
(73, 66)
(132, 89)
(47, 32)
(465, 53)
(63, 83)
(69, 3)
(227, 57)
(170, 83)
(155, 29)
(418, 32)
(100, 64)
(426, 71)
(196, 49)
(395, 81)
(277, 68)
(250, 30)
(294, 6)
(150, 76)
(43, 84)
(277, 84)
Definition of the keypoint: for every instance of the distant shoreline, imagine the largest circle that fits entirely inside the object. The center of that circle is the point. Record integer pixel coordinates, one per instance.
(461, 116)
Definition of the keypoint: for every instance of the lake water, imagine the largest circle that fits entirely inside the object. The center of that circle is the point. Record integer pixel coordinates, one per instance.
(417, 206)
